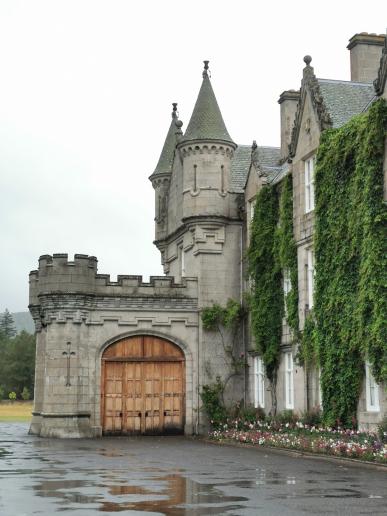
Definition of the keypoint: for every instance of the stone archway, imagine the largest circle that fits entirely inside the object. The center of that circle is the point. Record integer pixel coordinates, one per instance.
(143, 387)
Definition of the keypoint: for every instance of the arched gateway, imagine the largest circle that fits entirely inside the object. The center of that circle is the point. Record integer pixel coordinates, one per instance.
(142, 387)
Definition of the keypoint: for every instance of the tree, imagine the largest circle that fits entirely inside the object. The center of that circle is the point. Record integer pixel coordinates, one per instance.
(17, 363)
(7, 324)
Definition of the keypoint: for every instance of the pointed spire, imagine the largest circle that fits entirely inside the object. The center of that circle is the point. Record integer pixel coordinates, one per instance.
(206, 121)
(164, 165)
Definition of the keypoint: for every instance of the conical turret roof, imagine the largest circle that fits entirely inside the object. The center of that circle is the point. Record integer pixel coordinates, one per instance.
(206, 121)
(164, 165)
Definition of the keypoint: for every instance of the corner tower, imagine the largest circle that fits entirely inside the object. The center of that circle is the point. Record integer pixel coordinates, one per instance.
(206, 151)
(161, 176)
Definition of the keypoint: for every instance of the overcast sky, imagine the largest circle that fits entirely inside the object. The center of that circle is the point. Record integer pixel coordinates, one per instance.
(86, 88)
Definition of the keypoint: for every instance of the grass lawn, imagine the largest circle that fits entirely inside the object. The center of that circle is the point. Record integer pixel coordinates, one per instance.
(17, 411)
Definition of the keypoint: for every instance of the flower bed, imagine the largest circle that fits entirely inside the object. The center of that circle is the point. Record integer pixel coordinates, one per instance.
(299, 436)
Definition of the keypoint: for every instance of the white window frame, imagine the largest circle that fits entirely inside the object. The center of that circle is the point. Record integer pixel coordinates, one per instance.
(372, 390)
(310, 276)
(287, 286)
(289, 381)
(259, 382)
(309, 166)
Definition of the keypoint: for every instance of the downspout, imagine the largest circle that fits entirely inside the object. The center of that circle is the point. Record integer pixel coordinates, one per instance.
(197, 379)
(243, 322)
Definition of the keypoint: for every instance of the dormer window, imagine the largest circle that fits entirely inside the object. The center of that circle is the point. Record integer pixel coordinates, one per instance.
(309, 183)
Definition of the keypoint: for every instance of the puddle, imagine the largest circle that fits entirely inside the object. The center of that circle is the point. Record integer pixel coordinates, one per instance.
(180, 494)
(168, 494)
(339, 493)
(172, 478)
(4, 452)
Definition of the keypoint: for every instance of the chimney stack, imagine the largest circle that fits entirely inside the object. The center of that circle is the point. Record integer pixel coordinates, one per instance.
(366, 51)
(288, 101)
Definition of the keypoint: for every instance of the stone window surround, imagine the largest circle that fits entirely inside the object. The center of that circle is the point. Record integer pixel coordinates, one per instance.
(181, 257)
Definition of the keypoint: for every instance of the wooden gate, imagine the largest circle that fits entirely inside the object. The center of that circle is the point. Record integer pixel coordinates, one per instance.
(143, 387)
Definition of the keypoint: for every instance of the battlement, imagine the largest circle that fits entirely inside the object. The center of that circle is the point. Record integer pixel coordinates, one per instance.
(57, 274)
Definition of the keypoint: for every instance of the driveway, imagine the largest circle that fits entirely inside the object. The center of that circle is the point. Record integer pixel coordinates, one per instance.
(174, 476)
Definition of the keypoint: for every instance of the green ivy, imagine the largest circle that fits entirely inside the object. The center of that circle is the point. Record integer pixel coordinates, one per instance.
(351, 264)
(226, 321)
(272, 250)
(287, 250)
(266, 300)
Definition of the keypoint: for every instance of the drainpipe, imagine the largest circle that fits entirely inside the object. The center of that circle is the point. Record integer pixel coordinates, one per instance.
(197, 379)
(243, 322)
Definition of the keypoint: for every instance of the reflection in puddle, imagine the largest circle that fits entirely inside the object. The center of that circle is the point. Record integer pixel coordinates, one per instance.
(178, 494)
(169, 495)
(49, 477)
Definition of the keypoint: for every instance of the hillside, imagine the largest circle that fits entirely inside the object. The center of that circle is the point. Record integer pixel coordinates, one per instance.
(23, 321)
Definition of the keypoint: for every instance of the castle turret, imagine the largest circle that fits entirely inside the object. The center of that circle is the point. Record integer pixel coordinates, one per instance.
(162, 175)
(206, 150)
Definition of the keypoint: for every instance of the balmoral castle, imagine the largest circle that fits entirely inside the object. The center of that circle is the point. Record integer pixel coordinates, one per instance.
(132, 357)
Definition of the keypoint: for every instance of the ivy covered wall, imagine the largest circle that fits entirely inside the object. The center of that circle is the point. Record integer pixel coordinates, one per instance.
(349, 321)
(272, 250)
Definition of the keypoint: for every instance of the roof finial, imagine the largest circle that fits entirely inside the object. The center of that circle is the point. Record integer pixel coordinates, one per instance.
(174, 111)
(307, 60)
(205, 71)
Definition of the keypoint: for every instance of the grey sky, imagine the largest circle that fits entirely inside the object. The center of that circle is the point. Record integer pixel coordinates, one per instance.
(85, 99)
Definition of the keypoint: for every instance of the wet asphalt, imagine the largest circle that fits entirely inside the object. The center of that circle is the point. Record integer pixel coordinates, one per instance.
(175, 476)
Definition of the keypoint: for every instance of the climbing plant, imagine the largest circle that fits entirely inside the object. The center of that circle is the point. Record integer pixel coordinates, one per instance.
(287, 250)
(351, 262)
(271, 253)
(226, 322)
(266, 300)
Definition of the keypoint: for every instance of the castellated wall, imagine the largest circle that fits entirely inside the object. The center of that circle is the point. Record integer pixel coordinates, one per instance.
(70, 302)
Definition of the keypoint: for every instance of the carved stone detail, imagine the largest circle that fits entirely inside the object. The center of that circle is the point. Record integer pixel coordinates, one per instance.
(309, 83)
(200, 148)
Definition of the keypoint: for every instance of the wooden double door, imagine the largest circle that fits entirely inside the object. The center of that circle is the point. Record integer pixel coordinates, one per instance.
(143, 387)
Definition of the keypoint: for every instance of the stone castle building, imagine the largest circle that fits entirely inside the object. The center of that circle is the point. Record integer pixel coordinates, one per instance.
(132, 357)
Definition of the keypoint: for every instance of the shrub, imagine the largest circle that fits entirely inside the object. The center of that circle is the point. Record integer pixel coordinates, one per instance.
(312, 417)
(12, 395)
(252, 414)
(25, 394)
(382, 430)
(212, 403)
(287, 416)
(2, 393)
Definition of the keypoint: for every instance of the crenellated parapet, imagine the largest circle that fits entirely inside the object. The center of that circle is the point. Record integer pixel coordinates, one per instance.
(61, 289)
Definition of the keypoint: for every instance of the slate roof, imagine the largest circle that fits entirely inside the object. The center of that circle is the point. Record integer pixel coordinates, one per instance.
(268, 161)
(280, 173)
(206, 121)
(240, 167)
(164, 165)
(344, 99)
